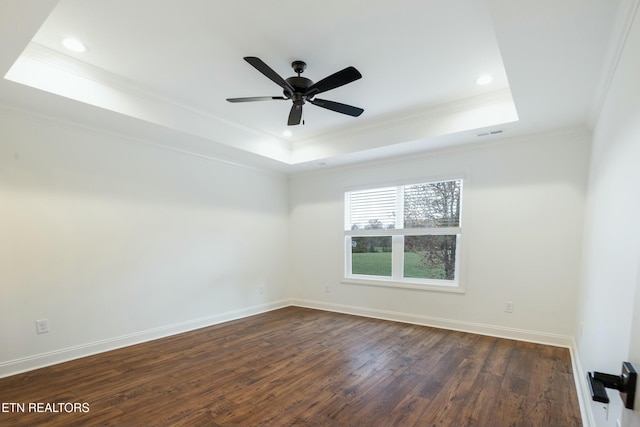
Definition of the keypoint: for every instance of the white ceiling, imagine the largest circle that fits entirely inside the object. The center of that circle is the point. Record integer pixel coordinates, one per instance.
(162, 69)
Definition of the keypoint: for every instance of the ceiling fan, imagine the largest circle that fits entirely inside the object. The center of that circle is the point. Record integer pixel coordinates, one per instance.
(300, 89)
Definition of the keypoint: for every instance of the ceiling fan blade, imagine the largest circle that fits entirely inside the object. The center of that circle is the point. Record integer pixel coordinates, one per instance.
(337, 106)
(259, 65)
(255, 98)
(335, 80)
(295, 115)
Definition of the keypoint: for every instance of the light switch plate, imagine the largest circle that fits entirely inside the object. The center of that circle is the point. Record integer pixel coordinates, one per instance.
(42, 326)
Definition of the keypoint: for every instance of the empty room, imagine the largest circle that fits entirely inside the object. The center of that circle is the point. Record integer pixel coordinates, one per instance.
(319, 213)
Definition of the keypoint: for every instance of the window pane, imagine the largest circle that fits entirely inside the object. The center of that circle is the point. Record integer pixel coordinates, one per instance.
(371, 209)
(371, 255)
(431, 205)
(430, 257)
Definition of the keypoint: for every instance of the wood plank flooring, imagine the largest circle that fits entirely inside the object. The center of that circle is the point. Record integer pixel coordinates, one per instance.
(303, 367)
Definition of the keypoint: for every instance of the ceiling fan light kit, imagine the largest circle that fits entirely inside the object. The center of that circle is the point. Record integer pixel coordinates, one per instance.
(300, 89)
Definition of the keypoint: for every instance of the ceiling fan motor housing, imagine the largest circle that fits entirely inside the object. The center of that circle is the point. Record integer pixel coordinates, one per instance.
(299, 84)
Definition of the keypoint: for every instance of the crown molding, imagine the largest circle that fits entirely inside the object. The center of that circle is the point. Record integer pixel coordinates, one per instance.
(424, 127)
(625, 17)
(49, 70)
(419, 115)
(123, 96)
(78, 125)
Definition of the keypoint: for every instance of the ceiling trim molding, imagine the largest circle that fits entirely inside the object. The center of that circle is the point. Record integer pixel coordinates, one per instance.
(61, 74)
(442, 110)
(65, 123)
(82, 69)
(493, 109)
(151, 107)
(469, 145)
(625, 17)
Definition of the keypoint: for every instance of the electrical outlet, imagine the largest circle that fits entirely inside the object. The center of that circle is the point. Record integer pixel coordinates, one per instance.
(261, 289)
(326, 289)
(508, 307)
(42, 326)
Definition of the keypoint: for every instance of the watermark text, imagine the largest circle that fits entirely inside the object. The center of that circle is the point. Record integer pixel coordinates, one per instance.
(57, 407)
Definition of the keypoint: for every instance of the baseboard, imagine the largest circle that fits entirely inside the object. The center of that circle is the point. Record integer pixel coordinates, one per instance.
(582, 388)
(455, 325)
(29, 363)
(17, 366)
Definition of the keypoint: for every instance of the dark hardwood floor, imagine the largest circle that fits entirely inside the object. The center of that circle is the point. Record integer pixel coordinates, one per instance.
(304, 367)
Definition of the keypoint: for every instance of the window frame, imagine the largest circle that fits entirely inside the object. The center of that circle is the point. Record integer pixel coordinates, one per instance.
(397, 279)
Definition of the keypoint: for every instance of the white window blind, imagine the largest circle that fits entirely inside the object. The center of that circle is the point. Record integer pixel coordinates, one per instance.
(371, 209)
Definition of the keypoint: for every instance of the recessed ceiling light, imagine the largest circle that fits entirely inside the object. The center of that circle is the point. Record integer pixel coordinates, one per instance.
(485, 79)
(287, 133)
(74, 45)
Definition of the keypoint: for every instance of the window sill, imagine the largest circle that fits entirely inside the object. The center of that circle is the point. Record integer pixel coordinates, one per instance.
(403, 285)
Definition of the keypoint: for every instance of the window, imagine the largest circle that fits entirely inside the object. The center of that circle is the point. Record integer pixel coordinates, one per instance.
(404, 235)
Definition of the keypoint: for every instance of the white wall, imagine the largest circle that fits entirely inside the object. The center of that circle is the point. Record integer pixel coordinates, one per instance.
(522, 215)
(609, 323)
(116, 241)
